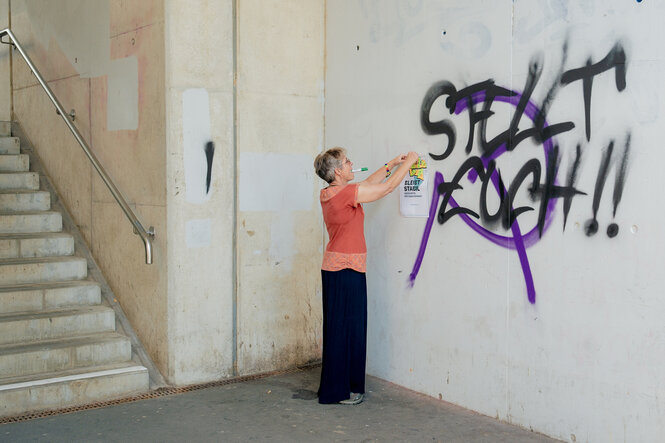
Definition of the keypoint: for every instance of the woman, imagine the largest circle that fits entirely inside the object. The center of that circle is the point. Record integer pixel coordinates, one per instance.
(343, 270)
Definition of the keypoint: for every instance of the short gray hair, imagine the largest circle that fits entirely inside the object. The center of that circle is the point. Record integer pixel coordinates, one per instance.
(326, 162)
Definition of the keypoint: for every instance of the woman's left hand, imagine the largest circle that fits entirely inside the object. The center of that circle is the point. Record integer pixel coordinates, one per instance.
(396, 161)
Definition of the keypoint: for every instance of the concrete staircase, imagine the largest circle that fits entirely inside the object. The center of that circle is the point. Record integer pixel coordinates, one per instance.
(58, 342)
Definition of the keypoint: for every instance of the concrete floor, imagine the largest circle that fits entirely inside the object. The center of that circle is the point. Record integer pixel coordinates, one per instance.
(280, 408)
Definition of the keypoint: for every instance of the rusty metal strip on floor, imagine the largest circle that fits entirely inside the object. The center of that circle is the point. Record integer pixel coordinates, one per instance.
(161, 392)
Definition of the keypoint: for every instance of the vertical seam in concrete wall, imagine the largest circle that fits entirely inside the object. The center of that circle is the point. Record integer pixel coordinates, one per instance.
(325, 66)
(92, 178)
(235, 188)
(11, 64)
(325, 72)
(507, 333)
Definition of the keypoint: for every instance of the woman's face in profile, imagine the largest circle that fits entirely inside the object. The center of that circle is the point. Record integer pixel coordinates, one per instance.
(346, 173)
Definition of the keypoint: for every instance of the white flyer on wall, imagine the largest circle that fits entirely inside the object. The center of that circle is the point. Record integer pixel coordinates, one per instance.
(413, 201)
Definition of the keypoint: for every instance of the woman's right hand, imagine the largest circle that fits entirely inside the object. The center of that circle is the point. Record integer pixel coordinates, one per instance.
(396, 161)
(369, 192)
(403, 158)
(411, 158)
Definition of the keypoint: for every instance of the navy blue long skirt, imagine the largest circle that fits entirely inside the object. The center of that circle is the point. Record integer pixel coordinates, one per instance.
(344, 334)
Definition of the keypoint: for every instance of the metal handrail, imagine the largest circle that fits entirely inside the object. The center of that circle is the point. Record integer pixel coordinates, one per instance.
(146, 236)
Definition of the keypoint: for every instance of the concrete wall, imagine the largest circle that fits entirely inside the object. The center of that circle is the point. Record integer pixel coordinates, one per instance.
(105, 60)
(560, 332)
(221, 169)
(199, 91)
(280, 67)
(244, 249)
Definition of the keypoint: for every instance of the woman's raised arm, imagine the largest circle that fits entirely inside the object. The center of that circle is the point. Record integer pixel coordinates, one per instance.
(369, 191)
(378, 176)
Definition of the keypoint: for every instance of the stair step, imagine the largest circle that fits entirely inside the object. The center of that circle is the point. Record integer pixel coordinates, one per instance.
(14, 163)
(42, 269)
(10, 181)
(72, 388)
(25, 201)
(5, 129)
(10, 145)
(20, 327)
(32, 221)
(36, 297)
(44, 244)
(62, 354)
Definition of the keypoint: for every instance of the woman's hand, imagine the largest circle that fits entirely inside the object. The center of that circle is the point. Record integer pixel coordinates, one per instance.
(369, 192)
(396, 161)
(411, 158)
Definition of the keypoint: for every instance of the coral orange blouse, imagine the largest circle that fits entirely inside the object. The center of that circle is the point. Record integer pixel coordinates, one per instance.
(345, 219)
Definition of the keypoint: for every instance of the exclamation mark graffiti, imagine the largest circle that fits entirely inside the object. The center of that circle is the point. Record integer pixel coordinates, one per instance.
(591, 226)
(619, 182)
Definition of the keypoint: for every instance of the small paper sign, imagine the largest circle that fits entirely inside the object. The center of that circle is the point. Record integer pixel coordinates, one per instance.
(413, 201)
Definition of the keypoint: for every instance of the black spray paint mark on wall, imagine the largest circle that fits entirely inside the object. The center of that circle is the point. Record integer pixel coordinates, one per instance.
(591, 226)
(484, 95)
(539, 123)
(615, 59)
(210, 152)
(572, 178)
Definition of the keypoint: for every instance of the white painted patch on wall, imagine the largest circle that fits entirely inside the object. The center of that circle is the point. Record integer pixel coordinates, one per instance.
(275, 182)
(198, 233)
(123, 94)
(196, 133)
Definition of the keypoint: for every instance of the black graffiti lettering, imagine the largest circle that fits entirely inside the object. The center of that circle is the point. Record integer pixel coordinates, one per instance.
(612, 230)
(490, 91)
(487, 218)
(546, 132)
(469, 99)
(570, 182)
(474, 117)
(619, 183)
(592, 225)
(487, 87)
(549, 190)
(506, 213)
(620, 179)
(488, 147)
(446, 189)
(615, 59)
(514, 136)
(531, 167)
(446, 127)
